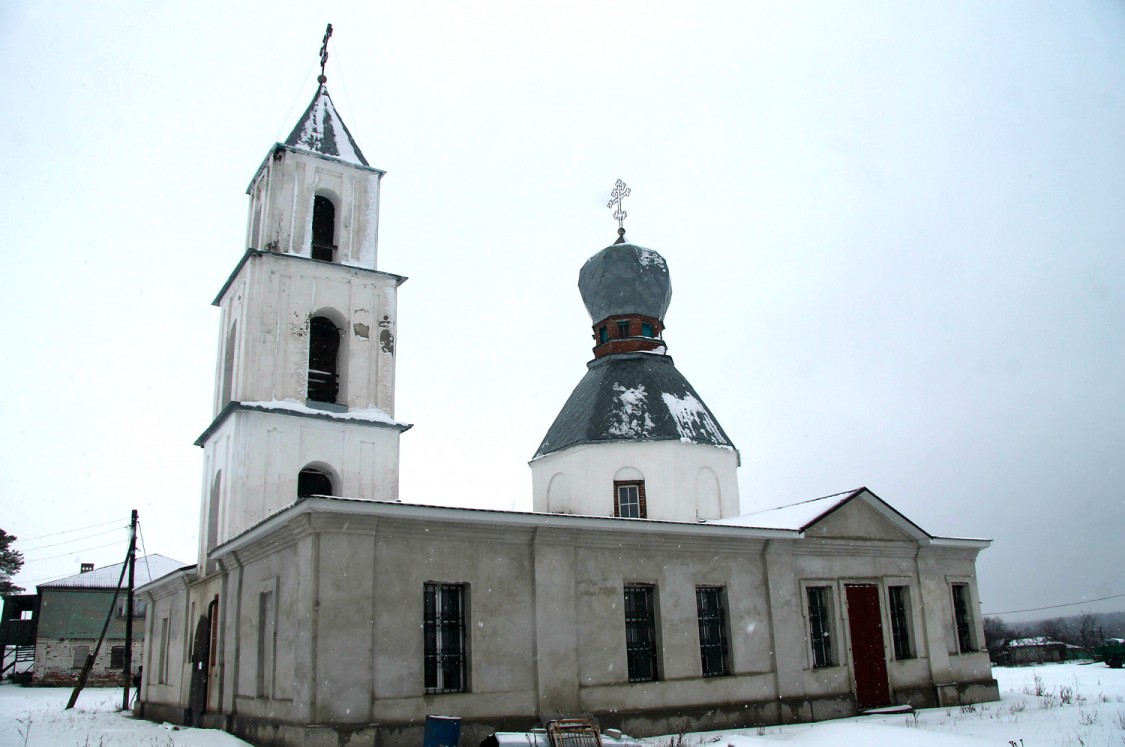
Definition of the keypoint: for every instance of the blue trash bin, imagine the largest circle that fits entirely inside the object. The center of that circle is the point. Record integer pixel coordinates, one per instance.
(442, 731)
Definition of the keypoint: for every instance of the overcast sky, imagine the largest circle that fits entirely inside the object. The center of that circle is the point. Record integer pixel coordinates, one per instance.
(894, 231)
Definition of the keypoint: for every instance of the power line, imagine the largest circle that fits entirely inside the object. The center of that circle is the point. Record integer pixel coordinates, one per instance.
(71, 531)
(76, 539)
(1055, 606)
(141, 535)
(72, 552)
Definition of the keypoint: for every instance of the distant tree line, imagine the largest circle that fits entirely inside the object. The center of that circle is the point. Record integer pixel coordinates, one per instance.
(1085, 631)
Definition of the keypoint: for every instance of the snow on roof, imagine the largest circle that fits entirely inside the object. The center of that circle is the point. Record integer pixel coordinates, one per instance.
(147, 569)
(633, 397)
(796, 516)
(320, 130)
(364, 414)
(1034, 642)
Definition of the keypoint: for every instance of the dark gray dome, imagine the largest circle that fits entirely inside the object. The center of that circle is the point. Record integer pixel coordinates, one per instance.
(633, 397)
(625, 279)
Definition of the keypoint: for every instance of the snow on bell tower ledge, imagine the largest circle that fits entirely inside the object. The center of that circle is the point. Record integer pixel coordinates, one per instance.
(315, 195)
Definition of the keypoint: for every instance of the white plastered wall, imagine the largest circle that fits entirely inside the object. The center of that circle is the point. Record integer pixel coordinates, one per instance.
(281, 199)
(683, 481)
(260, 455)
(271, 302)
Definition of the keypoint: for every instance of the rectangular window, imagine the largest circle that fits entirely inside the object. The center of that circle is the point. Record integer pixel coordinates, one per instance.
(709, 601)
(629, 500)
(623, 329)
(603, 335)
(901, 619)
(640, 632)
(117, 657)
(962, 617)
(443, 624)
(140, 607)
(79, 654)
(646, 329)
(820, 625)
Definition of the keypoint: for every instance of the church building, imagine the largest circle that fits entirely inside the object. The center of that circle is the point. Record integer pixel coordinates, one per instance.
(324, 606)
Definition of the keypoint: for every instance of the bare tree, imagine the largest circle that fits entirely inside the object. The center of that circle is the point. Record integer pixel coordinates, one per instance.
(997, 636)
(1089, 633)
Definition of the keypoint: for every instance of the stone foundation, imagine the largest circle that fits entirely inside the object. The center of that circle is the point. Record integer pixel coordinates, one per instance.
(273, 733)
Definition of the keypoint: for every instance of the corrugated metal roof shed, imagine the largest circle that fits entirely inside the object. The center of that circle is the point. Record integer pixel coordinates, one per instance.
(149, 568)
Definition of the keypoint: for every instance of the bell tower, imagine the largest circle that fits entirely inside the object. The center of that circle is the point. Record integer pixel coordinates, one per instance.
(305, 381)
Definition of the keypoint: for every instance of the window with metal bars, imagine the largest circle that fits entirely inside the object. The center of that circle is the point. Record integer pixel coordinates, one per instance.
(820, 625)
(962, 617)
(901, 616)
(446, 667)
(640, 632)
(117, 657)
(710, 602)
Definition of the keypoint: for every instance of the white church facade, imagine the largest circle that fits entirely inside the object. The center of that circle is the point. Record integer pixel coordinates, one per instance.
(324, 605)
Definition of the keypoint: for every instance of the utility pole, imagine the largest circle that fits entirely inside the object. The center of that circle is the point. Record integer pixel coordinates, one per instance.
(127, 670)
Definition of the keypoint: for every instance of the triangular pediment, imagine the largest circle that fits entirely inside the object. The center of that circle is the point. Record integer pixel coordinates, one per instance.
(865, 516)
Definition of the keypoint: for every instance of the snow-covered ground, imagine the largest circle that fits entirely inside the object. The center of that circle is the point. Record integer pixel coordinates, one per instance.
(1052, 705)
(35, 716)
(1045, 706)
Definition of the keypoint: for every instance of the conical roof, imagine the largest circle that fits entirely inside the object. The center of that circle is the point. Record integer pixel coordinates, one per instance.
(320, 130)
(633, 397)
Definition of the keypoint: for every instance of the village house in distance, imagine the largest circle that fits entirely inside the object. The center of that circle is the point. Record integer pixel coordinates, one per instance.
(325, 606)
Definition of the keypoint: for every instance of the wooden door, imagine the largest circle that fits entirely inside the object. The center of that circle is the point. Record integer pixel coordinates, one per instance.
(869, 657)
(200, 659)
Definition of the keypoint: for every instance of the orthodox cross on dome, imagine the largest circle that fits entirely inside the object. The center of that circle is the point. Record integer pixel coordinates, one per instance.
(324, 54)
(619, 193)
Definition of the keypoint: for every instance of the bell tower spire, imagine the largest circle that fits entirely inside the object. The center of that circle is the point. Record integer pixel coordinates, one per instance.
(305, 385)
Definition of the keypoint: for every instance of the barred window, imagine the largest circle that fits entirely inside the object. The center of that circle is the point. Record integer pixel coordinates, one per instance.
(444, 631)
(820, 625)
(901, 617)
(640, 632)
(962, 617)
(117, 657)
(709, 600)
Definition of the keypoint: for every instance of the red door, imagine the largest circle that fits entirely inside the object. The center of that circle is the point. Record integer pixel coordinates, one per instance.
(869, 658)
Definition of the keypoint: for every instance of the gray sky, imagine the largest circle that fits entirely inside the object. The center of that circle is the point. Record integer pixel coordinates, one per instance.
(894, 230)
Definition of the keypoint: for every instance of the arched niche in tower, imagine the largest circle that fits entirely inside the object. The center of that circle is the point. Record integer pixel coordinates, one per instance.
(708, 495)
(324, 226)
(326, 356)
(558, 494)
(213, 511)
(316, 478)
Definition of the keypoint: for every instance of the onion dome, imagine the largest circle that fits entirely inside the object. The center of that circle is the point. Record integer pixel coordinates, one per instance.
(625, 279)
(626, 290)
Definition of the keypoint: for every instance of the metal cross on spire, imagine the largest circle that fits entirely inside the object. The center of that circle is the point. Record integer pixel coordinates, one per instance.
(324, 54)
(619, 193)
